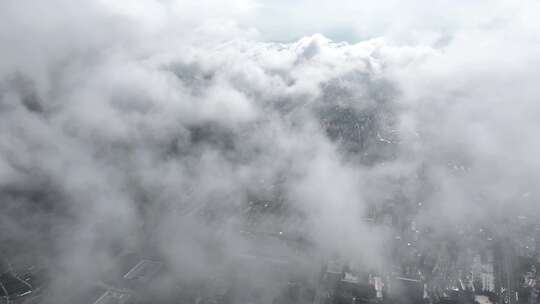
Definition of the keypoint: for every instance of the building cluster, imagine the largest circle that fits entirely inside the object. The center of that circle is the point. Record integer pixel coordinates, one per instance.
(134, 287)
(466, 266)
(20, 285)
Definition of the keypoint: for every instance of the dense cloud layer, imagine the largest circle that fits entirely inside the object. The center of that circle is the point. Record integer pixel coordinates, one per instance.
(125, 126)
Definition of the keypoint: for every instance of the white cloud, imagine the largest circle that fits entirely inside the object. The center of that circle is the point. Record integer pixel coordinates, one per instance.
(131, 112)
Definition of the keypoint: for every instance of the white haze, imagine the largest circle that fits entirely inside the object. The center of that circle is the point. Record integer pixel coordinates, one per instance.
(119, 113)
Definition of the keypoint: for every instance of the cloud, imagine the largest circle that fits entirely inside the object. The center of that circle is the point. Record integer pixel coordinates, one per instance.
(157, 124)
(115, 137)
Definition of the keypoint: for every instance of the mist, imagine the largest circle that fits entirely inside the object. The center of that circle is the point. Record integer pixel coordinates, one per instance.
(206, 134)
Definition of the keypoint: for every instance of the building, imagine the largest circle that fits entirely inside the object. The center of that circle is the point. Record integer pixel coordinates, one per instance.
(406, 290)
(144, 271)
(483, 273)
(116, 297)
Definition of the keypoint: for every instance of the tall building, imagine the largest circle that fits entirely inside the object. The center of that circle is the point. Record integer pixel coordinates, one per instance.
(483, 272)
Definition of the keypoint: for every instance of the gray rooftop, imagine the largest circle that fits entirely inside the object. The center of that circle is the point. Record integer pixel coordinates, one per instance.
(114, 297)
(144, 271)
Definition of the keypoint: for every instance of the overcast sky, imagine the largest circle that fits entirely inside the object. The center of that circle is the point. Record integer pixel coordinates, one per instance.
(410, 21)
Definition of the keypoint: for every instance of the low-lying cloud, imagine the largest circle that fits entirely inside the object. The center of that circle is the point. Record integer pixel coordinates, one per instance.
(128, 126)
